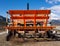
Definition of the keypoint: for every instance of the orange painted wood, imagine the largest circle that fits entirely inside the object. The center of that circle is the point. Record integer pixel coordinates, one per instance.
(35, 12)
(48, 27)
(26, 17)
(29, 11)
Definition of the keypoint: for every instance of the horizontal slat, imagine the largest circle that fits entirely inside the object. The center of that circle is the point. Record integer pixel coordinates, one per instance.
(30, 27)
(29, 11)
(41, 17)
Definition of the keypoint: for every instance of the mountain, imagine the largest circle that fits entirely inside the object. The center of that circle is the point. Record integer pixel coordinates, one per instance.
(3, 21)
(55, 22)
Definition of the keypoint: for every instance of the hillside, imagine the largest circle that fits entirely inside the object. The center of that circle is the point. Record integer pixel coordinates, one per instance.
(3, 21)
(55, 22)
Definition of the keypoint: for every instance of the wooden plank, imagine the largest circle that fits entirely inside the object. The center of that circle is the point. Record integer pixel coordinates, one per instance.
(26, 17)
(51, 27)
(29, 11)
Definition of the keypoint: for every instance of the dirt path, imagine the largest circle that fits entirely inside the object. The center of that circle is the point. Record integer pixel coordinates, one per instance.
(13, 42)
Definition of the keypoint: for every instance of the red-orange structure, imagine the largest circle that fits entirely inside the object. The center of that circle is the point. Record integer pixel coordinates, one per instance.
(34, 15)
(28, 20)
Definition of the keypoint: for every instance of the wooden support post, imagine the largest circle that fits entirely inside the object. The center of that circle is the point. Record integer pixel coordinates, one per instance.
(6, 18)
(24, 21)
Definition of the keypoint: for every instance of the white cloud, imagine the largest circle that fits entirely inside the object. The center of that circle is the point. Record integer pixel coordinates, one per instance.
(55, 9)
(52, 1)
(42, 8)
(55, 12)
(54, 16)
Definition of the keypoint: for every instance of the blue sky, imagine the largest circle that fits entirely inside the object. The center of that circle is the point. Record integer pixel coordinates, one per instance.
(6, 5)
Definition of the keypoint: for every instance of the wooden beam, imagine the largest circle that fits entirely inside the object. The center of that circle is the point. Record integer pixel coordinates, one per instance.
(29, 11)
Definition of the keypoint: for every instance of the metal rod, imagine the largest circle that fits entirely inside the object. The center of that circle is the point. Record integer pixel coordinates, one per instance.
(27, 6)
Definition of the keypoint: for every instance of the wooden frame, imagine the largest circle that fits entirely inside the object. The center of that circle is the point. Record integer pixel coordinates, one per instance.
(35, 12)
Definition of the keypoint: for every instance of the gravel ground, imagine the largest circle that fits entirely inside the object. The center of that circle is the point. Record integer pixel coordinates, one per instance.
(15, 42)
